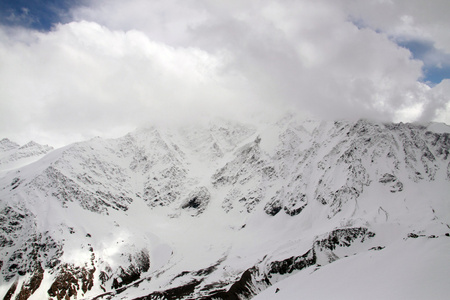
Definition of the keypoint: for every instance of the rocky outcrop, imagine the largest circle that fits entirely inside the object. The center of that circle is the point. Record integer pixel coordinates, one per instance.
(390, 180)
(72, 280)
(257, 278)
(12, 289)
(23, 249)
(30, 286)
(197, 201)
(138, 263)
(288, 202)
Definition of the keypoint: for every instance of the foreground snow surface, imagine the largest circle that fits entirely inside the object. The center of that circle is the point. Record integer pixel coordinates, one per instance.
(293, 210)
(411, 269)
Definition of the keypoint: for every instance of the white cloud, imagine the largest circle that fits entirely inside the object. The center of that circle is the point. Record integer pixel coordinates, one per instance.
(86, 78)
(418, 19)
(165, 21)
(311, 55)
(438, 107)
(122, 64)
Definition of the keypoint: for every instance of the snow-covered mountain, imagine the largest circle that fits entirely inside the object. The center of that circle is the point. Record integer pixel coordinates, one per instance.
(295, 209)
(12, 155)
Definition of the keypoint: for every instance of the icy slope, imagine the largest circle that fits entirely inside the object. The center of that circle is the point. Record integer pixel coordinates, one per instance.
(223, 210)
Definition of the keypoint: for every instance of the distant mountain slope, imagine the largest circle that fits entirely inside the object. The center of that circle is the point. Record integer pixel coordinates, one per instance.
(222, 210)
(12, 155)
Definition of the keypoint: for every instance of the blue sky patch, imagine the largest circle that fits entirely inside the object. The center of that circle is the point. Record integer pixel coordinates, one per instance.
(35, 14)
(436, 62)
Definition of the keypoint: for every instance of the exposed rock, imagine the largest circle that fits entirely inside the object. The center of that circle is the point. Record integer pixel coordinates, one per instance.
(295, 204)
(25, 248)
(386, 178)
(392, 181)
(197, 201)
(11, 290)
(180, 292)
(71, 281)
(139, 263)
(259, 277)
(31, 286)
(274, 206)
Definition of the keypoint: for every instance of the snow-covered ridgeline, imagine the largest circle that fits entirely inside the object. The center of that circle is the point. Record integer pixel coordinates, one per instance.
(223, 209)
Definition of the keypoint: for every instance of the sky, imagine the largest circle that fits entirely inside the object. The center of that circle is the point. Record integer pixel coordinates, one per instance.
(73, 70)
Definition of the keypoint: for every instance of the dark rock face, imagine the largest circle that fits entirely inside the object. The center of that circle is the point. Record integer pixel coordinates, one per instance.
(73, 280)
(295, 204)
(343, 238)
(250, 283)
(180, 292)
(386, 178)
(11, 290)
(31, 286)
(391, 181)
(273, 207)
(27, 250)
(139, 263)
(11, 224)
(70, 281)
(292, 264)
(197, 201)
(254, 280)
(292, 203)
(244, 288)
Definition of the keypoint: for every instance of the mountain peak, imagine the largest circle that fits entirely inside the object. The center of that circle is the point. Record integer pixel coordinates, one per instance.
(6, 145)
(33, 144)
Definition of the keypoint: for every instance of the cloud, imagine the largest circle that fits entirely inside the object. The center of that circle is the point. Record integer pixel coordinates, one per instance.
(119, 65)
(86, 78)
(309, 55)
(162, 21)
(419, 26)
(425, 20)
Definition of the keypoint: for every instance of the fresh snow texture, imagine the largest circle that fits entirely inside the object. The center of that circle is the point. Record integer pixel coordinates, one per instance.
(411, 269)
(290, 210)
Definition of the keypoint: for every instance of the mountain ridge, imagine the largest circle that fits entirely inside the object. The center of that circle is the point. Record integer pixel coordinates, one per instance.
(219, 210)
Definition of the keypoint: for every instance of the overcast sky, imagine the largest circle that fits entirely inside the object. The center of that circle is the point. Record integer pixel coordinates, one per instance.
(71, 70)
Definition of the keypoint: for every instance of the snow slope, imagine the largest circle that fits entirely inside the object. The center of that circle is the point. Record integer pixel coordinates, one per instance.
(407, 269)
(13, 156)
(231, 211)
